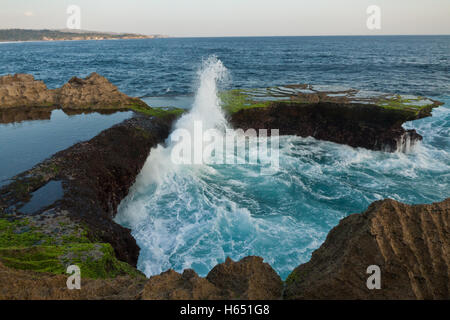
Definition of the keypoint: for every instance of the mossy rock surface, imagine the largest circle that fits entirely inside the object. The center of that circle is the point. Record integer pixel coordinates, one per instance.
(26, 246)
(143, 108)
(239, 99)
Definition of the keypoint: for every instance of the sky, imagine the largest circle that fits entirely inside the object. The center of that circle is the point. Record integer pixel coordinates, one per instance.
(212, 18)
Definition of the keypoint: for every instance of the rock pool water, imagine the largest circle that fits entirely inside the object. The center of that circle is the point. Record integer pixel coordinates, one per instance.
(25, 144)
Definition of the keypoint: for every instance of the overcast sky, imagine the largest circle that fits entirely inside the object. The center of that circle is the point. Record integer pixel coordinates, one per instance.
(232, 17)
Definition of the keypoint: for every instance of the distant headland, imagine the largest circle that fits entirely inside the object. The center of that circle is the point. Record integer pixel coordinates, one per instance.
(7, 35)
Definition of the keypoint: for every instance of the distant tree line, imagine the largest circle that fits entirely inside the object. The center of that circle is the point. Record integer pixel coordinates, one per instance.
(33, 35)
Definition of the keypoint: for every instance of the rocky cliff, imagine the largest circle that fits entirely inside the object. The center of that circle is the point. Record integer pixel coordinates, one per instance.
(409, 243)
(94, 92)
(248, 279)
(94, 177)
(356, 118)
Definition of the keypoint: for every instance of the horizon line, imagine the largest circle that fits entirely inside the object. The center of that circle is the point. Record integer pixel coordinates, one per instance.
(230, 36)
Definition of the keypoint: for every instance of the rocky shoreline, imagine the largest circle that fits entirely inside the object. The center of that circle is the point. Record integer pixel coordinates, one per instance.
(409, 243)
(356, 118)
(23, 35)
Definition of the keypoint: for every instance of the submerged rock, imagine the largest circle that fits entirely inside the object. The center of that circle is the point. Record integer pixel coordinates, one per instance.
(248, 279)
(358, 119)
(409, 243)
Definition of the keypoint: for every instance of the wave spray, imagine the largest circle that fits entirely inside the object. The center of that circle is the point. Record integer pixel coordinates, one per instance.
(205, 109)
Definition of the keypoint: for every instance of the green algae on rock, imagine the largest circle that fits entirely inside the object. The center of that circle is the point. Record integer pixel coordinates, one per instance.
(238, 99)
(357, 118)
(27, 243)
(78, 228)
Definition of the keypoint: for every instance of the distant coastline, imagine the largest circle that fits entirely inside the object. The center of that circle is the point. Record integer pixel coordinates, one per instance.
(28, 35)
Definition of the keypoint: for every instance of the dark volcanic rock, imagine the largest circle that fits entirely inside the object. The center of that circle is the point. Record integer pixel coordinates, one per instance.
(249, 279)
(410, 244)
(357, 126)
(101, 173)
(359, 119)
(96, 175)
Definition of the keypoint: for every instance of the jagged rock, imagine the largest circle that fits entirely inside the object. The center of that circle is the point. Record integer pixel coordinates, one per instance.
(93, 92)
(18, 114)
(171, 285)
(23, 90)
(410, 244)
(347, 116)
(249, 279)
(96, 175)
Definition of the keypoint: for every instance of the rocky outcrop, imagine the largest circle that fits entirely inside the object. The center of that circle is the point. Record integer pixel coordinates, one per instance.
(248, 279)
(91, 93)
(95, 175)
(409, 243)
(357, 126)
(23, 90)
(171, 285)
(369, 120)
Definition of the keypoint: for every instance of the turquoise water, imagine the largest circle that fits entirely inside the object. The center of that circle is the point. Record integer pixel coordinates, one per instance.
(194, 216)
(25, 144)
(197, 216)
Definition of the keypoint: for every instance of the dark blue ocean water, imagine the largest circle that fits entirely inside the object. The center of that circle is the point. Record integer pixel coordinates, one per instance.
(199, 216)
(408, 64)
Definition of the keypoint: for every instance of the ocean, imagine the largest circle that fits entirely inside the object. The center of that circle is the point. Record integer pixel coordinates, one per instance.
(196, 216)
